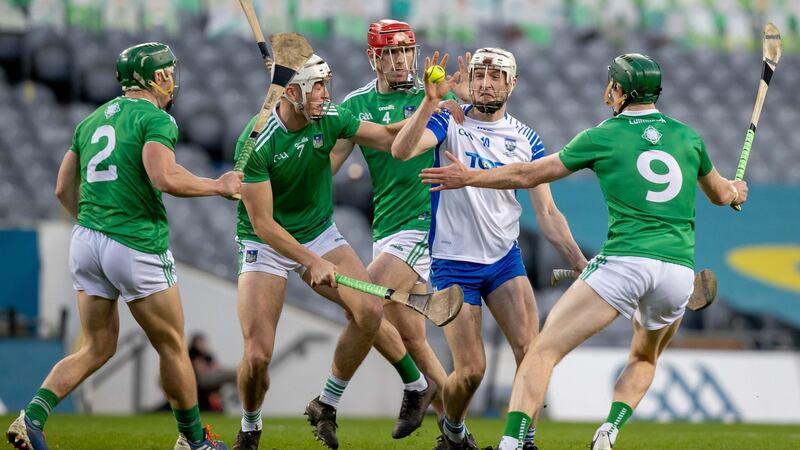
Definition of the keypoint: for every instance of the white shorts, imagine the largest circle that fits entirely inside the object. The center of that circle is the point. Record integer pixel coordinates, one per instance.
(411, 246)
(258, 257)
(654, 292)
(104, 267)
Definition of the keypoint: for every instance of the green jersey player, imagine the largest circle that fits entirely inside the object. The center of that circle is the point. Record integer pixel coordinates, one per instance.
(648, 166)
(401, 260)
(286, 224)
(111, 179)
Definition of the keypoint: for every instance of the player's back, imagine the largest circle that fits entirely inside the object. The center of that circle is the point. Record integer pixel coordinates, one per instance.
(647, 164)
(116, 195)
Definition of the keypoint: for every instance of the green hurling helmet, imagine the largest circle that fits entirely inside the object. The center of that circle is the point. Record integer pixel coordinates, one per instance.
(639, 75)
(137, 65)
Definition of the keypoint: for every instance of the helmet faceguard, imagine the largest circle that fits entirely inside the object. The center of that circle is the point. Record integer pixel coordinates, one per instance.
(486, 59)
(315, 71)
(137, 67)
(638, 75)
(392, 38)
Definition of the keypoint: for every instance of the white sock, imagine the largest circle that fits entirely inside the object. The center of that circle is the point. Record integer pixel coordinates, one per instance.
(456, 431)
(420, 385)
(333, 390)
(251, 420)
(610, 429)
(509, 443)
(530, 436)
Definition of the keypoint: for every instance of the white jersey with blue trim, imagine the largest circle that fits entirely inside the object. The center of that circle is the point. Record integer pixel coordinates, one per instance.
(475, 224)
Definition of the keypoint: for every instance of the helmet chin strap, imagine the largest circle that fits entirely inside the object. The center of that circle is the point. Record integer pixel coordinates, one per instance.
(300, 107)
(165, 92)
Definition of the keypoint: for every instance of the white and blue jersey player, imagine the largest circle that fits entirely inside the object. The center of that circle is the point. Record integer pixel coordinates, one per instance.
(473, 236)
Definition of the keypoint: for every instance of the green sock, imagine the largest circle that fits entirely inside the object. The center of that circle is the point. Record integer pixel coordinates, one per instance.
(407, 369)
(619, 414)
(517, 425)
(40, 407)
(189, 423)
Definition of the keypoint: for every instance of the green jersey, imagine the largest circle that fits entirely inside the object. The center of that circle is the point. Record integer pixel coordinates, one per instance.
(647, 165)
(401, 201)
(117, 197)
(297, 164)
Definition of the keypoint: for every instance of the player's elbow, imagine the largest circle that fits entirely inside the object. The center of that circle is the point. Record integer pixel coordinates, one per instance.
(401, 153)
(163, 184)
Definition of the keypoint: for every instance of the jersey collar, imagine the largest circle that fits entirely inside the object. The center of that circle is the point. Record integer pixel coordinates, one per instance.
(643, 112)
(278, 118)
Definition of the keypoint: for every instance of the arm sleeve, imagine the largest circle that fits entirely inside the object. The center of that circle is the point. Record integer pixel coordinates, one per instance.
(73, 146)
(705, 162)
(537, 146)
(579, 153)
(349, 123)
(256, 169)
(162, 129)
(438, 124)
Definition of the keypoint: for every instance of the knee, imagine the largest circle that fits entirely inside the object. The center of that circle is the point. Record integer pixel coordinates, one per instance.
(257, 359)
(543, 355)
(100, 352)
(639, 356)
(471, 376)
(368, 317)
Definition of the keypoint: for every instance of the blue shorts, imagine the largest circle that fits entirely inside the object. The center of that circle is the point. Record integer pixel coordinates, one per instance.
(477, 280)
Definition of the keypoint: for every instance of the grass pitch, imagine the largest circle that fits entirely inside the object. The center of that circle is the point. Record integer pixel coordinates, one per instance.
(157, 431)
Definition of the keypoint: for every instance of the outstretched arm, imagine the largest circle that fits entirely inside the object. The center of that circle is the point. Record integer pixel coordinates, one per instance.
(513, 176)
(554, 226)
(170, 177)
(722, 191)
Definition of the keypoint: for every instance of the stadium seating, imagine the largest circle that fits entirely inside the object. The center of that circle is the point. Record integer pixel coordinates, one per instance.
(56, 76)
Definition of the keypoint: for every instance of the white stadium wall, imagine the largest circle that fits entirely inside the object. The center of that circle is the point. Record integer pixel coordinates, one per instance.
(693, 385)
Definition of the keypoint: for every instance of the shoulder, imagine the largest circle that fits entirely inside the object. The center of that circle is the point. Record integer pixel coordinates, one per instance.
(359, 93)
(268, 134)
(525, 131)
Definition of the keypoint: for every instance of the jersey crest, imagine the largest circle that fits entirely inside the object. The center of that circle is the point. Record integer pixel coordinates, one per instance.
(408, 111)
(111, 110)
(318, 140)
(651, 135)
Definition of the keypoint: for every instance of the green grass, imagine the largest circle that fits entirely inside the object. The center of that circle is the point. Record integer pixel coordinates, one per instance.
(68, 432)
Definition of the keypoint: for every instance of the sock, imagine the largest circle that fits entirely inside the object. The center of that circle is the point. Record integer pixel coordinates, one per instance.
(530, 436)
(333, 390)
(410, 374)
(610, 429)
(508, 443)
(189, 423)
(40, 407)
(619, 414)
(456, 431)
(517, 425)
(251, 420)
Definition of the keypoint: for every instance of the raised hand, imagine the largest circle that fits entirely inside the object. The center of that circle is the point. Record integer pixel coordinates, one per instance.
(461, 89)
(435, 91)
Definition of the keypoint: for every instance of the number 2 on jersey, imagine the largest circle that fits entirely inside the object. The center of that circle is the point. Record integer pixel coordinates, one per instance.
(673, 178)
(92, 174)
